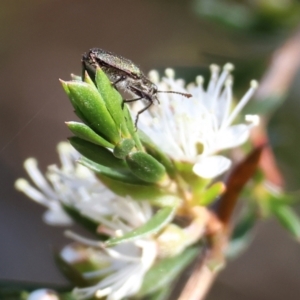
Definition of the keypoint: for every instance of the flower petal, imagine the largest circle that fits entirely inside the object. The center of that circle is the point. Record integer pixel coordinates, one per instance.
(211, 166)
(233, 136)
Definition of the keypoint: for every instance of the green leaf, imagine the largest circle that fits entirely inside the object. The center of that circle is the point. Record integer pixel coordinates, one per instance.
(162, 294)
(154, 151)
(197, 183)
(73, 102)
(214, 191)
(111, 173)
(97, 153)
(287, 218)
(70, 271)
(67, 296)
(162, 274)
(86, 133)
(243, 232)
(264, 107)
(123, 148)
(132, 129)
(152, 193)
(145, 167)
(87, 79)
(92, 106)
(76, 77)
(87, 223)
(153, 226)
(113, 100)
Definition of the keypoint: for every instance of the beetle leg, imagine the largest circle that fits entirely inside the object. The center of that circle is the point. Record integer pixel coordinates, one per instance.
(121, 78)
(140, 112)
(131, 100)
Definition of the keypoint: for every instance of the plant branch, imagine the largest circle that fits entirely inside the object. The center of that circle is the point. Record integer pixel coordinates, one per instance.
(207, 264)
(201, 274)
(274, 86)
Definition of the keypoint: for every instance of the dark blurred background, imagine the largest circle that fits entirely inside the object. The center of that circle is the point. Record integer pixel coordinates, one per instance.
(42, 41)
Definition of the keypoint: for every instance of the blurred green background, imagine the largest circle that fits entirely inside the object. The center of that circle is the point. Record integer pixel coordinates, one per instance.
(42, 41)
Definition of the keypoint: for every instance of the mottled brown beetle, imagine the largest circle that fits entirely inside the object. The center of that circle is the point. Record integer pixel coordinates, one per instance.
(123, 74)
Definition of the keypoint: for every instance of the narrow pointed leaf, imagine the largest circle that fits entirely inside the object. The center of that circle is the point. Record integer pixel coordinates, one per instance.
(288, 219)
(70, 272)
(67, 91)
(264, 107)
(152, 193)
(243, 232)
(162, 294)
(88, 80)
(163, 273)
(92, 106)
(153, 150)
(86, 133)
(113, 100)
(67, 296)
(76, 77)
(87, 223)
(153, 226)
(145, 167)
(97, 153)
(124, 176)
(212, 193)
(73, 102)
(123, 148)
(132, 129)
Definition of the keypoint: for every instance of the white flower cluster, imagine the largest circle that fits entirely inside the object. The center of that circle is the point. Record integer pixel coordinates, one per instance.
(124, 265)
(196, 129)
(72, 184)
(192, 130)
(123, 271)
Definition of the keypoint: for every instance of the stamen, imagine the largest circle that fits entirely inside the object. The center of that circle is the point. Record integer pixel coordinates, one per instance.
(221, 81)
(214, 70)
(154, 76)
(76, 237)
(229, 67)
(36, 176)
(63, 149)
(103, 292)
(200, 80)
(228, 99)
(24, 186)
(242, 102)
(170, 73)
(254, 84)
(254, 119)
(117, 255)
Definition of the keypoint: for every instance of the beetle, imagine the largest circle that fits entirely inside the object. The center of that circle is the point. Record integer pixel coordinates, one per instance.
(123, 74)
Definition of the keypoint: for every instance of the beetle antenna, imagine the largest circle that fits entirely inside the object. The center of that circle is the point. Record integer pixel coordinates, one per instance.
(171, 92)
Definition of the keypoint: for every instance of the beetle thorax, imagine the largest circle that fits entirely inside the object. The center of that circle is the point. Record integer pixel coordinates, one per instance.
(139, 86)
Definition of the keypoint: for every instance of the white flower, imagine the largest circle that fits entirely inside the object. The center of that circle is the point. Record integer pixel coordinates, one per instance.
(195, 129)
(73, 185)
(125, 265)
(124, 268)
